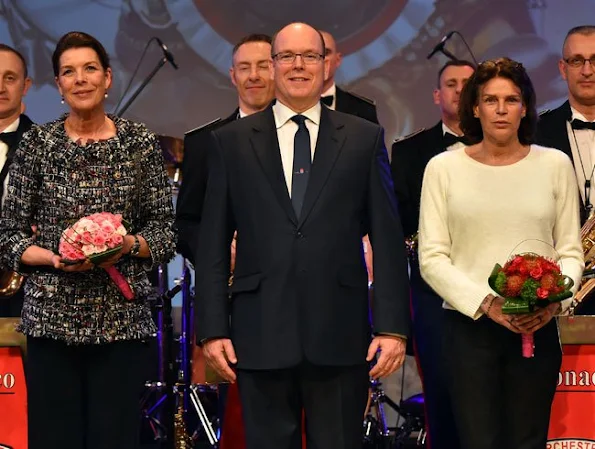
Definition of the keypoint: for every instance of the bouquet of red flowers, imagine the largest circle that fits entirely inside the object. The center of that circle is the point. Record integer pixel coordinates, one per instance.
(96, 237)
(528, 281)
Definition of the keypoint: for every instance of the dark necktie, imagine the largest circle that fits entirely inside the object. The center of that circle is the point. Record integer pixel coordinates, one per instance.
(10, 139)
(450, 139)
(301, 164)
(579, 124)
(328, 100)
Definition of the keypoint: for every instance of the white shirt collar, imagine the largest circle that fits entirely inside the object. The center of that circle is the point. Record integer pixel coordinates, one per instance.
(13, 126)
(331, 91)
(283, 114)
(446, 129)
(242, 114)
(577, 115)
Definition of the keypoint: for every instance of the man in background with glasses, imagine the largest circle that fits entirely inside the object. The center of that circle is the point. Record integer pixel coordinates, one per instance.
(571, 127)
(301, 184)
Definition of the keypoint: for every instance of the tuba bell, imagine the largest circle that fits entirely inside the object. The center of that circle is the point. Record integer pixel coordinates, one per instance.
(10, 282)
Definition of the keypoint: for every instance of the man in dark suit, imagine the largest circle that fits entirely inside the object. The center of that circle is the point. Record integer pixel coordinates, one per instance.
(250, 73)
(571, 127)
(298, 315)
(14, 84)
(409, 159)
(335, 97)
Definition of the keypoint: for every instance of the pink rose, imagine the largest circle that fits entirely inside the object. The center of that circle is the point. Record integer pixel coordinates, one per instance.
(542, 293)
(98, 239)
(107, 227)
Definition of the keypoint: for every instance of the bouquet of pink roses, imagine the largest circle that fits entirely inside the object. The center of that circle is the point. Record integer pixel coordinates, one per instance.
(96, 237)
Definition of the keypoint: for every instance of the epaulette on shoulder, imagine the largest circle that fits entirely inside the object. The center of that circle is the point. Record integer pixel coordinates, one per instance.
(544, 112)
(365, 99)
(203, 126)
(409, 136)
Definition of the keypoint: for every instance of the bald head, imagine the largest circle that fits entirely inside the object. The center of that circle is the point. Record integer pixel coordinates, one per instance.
(299, 66)
(333, 56)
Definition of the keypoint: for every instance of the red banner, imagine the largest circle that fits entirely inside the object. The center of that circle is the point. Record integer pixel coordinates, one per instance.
(13, 399)
(571, 421)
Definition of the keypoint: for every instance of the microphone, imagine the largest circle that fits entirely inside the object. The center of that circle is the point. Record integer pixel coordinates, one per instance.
(440, 45)
(167, 53)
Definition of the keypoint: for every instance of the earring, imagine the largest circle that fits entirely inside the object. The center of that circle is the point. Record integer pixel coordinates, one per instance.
(62, 101)
(105, 95)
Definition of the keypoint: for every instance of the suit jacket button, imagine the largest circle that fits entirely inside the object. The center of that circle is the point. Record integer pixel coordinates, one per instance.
(299, 235)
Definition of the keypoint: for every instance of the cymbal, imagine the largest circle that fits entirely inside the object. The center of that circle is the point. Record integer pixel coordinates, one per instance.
(173, 154)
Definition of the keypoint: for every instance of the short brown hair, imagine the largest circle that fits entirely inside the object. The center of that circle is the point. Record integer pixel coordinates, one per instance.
(487, 70)
(454, 63)
(8, 48)
(251, 38)
(585, 30)
(78, 39)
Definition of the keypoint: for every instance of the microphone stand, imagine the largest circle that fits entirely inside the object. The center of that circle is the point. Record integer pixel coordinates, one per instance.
(140, 88)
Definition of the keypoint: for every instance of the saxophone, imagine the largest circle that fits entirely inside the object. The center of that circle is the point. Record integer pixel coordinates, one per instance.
(181, 438)
(588, 242)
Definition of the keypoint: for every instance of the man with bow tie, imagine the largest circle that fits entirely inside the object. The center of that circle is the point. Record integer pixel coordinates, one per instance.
(571, 127)
(410, 156)
(14, 84)
(335, 97)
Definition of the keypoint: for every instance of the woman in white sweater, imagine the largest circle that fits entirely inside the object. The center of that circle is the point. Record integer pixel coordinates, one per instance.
(477, 204)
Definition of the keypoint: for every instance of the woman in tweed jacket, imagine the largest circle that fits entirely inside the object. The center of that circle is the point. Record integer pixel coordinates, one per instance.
(87, 347)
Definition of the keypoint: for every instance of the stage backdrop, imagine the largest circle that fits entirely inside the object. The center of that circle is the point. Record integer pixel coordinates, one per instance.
(385, 43)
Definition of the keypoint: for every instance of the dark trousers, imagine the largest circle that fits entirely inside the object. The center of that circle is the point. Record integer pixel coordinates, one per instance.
(332, 398)
(428, 319)
(500, 399)
(86, 396)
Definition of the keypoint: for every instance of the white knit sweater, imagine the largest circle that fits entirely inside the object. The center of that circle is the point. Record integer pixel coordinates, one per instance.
(473, 216)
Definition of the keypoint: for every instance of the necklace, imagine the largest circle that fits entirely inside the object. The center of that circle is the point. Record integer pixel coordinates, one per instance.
(84, 140)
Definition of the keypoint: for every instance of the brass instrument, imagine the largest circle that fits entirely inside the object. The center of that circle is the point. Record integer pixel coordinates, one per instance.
(10, 282)
(588, 241)
(411, 245)
(181, 438)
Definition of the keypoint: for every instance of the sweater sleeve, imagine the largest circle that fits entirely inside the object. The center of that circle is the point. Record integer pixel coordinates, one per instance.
(436, 266)
(566, 232)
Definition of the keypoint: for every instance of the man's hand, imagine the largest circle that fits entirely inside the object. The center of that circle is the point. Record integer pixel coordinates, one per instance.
(392, 355)
(217, 352)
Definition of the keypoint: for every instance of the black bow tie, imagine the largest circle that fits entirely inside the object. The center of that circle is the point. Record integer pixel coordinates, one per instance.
(450, 139)
(10, 139)
(328, 100)
(579, 124)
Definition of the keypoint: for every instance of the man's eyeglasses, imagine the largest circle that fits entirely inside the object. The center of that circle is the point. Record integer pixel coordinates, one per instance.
(578, 61)
(288, 57)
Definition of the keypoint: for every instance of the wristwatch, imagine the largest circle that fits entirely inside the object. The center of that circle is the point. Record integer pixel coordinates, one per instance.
(135, 248)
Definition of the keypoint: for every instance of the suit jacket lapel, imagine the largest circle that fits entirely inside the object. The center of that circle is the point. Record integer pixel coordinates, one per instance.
(328, 147)
(564, 142)
(266, 146)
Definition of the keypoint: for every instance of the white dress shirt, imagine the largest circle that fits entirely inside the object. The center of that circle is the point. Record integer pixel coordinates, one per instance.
(455, 146)
(331, 91)
(582, 144)
(286, 129)
(4, 152)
